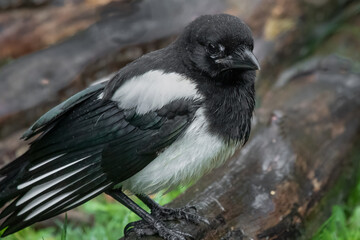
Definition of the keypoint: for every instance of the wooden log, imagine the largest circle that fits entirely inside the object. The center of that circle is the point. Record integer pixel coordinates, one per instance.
(10, 4)
(301, 146)
(26, 30)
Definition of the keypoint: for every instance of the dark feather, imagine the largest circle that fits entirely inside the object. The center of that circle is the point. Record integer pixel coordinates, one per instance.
(114, 143)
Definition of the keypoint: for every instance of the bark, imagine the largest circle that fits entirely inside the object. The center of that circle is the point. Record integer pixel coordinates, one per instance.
(10, 4)
(26, 30)
(304, 137)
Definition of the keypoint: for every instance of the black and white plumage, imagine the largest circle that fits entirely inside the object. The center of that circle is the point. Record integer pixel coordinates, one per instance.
(161, 121)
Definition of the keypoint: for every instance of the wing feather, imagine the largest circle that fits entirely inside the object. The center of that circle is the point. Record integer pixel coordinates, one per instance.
(61, 109)
(85, 148)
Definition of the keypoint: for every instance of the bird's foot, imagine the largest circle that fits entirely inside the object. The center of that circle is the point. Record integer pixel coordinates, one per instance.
(186, 213)
(142, 228)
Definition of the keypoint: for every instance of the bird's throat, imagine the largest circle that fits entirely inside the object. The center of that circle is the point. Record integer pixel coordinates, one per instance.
(229, 108)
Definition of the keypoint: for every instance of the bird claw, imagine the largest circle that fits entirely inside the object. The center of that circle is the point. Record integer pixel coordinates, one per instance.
(140, 228)
(143, 228)
(186, 213)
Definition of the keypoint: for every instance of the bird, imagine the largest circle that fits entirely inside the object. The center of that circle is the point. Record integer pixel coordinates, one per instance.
(162, 121)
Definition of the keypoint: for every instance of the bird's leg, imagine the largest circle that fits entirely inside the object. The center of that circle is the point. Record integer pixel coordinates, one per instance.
(167, 214)
(149, 225)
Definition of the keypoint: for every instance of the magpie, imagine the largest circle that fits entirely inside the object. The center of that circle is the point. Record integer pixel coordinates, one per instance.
(162, 121)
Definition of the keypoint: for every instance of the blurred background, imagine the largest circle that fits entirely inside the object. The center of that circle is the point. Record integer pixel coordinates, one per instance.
(51, 49)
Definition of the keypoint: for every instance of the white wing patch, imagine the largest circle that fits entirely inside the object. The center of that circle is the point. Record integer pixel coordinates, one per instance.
(47, 205)
(42, 187)
(45, 162)
(39, 200)
(188, 158)
(28, 183)
(153, 90)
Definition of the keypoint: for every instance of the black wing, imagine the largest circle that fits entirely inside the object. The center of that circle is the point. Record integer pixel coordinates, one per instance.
(84, 150)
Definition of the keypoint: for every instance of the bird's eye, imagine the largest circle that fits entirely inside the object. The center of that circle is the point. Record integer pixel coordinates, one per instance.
(215, 49)
(212, 48)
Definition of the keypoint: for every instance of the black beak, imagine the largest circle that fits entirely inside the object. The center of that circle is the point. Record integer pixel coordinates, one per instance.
(244, 60)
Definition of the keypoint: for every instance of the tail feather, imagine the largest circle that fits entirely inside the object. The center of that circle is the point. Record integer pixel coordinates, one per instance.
(69, 200)
(37, 195)
(56, 161)
(52, 189)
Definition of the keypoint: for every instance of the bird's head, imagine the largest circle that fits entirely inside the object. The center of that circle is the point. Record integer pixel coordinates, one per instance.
(219, 44)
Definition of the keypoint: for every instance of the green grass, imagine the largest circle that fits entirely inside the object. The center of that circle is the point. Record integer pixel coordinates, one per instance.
(111, 218)
(64, 230)
(344, 222)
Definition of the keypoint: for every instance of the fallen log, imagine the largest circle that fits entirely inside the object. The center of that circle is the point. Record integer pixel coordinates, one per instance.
(301, 146)
(10, 4)
(26, 30)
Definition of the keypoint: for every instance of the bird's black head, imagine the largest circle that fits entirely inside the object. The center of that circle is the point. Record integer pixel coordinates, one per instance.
(217, 44)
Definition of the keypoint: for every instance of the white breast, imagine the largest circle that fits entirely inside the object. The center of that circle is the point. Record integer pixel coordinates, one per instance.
(187, 159)
(153, 90)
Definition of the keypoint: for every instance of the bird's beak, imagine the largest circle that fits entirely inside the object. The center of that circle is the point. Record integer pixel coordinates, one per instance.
(244, 60)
